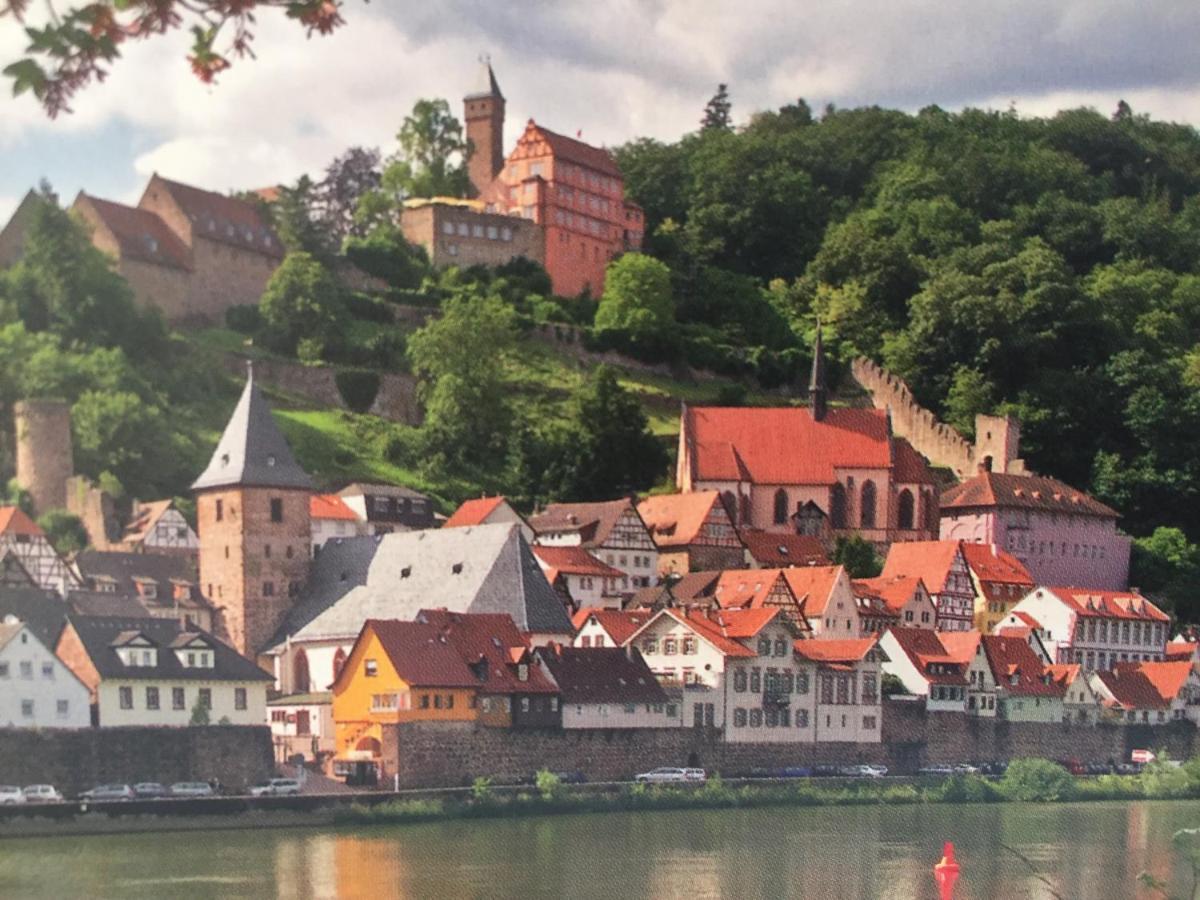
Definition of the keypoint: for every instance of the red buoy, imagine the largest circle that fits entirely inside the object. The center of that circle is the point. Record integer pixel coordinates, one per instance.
(946, 872)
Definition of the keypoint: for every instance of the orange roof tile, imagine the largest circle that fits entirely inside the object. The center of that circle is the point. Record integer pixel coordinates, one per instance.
(1177, 650)
(813, 586)
(745, 588)
(572, 561)
(821, 650)
(675, 520)
(13, 520)
(330, 506)
(1146, 685)
(620, 624)
(490, 637)
(1064, 673)
(1012, 658)
(991, 564)
(924, 648)
(1027, 619)
(991, 490)
(928, 560)
(769, 548)
(1110, 604)
(571, 150)
(960, 645)
(473, 512)
(895, 592)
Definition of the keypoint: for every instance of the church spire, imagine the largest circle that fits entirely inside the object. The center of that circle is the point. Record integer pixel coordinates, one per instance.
(818, 392)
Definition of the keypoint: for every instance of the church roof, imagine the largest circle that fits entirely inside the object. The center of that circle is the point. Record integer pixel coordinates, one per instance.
(252, 451)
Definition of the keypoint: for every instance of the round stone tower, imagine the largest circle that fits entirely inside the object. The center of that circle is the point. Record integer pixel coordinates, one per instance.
(44, 457)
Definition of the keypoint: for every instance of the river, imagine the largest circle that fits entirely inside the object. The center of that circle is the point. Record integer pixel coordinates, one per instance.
(1093, 850)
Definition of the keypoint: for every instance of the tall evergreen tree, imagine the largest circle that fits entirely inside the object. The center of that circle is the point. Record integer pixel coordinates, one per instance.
(717, 112)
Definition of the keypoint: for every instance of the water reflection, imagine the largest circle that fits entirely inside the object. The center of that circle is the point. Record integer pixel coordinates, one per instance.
(1080, 852)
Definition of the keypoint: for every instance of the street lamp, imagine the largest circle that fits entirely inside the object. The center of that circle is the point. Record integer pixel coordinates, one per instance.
(946, 872)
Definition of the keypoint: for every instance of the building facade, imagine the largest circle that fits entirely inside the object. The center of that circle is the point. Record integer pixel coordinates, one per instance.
(942, 568)
(611, 531)
(693, 533)
(36, 689)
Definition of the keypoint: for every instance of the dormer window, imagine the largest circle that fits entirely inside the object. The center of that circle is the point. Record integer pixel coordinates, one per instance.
(457, 568)
(271, 460)
(523, 672)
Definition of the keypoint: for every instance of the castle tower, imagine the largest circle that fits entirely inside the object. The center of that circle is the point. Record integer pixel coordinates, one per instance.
(818, 391)
(252, 514)
(44, 457)
(483, 111)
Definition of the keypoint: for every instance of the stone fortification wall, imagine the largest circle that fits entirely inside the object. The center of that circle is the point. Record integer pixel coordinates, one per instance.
(44, 457)
(396, 399)
(433, 754)
(76, 760)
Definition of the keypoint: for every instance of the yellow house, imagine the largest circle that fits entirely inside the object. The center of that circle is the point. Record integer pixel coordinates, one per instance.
(398, 672)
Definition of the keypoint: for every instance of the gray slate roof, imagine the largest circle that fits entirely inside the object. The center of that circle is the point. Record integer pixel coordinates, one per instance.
(252, 452)
(43, 611)
(164, 569)
(395, 576)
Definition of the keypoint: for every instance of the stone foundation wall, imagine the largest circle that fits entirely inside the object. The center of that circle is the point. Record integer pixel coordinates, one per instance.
(78, 760)
(429, 754)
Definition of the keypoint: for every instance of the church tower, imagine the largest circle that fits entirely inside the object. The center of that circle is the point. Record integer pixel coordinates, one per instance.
(483, 110)
(252, 515)
(818, 391)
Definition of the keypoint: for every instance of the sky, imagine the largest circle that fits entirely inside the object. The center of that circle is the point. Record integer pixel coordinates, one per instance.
(613, 71)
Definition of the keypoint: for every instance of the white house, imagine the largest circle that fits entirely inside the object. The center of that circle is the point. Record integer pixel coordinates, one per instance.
(25, 540)
(580, 576)
(846, 697)
(158, 527)
(612, 531)
(331, 518)
(607, 687)
(927, 667)
(596, 627)
(302, 724)
(36, 689)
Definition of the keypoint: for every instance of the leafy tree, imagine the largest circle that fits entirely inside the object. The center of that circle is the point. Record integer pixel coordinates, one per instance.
(64, 530)
(347, 179)
(432, 161)
(1166, 566)
(1037, 780)
(637, 298)
(303, 301)
(717, 111)
(385, 253)
(118, 432)
(200, 714)
(858, 555)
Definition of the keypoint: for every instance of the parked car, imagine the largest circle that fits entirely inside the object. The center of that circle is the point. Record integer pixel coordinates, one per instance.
(42, 793)
(109, 792)
(863, 771)
(192, 789)
(662, 775)
(966, 769)
(695, 775)
(11, 795)
(149, 790)
(824, 770)
(794, 772)
(936, 770)
(276, 787)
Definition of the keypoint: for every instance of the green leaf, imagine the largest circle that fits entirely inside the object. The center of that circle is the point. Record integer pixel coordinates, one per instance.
(27, 75)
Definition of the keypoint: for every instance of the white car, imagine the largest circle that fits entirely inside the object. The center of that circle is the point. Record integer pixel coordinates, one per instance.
(192, 789)
(695, 775)
(863, 771)
(42, 793)
(276, 787)
(11, 795)
(662, 775)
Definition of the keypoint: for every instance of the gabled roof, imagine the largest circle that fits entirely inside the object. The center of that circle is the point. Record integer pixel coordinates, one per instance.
(8, 631)
(1012, 657)
(908, 466)
(928, 560)
(1001, 490)
(490, 638)
(43, 611)
(1109, 604)
(486, 568)
(844, 651)
(746, 588)
(620, 624)
(94, 603)
(993, 565)
(593, 521)
(813, 586)
(140, 233)
(331, 507)
(768, 548)
(1064, 674)
(924, 648)
(895, 592)
(722, 629)
(100, 637)
(217, 217)
(146, 516)
(421, 655)
(13, 520)
(473, 512)
(1177, 650)
(961, 646)
(125, 570)
(557, 561)
(1029, 620)
(601, 675)
(784, 445)
(571, 150)
(252, 452)
(675, 520)
(1146, 685)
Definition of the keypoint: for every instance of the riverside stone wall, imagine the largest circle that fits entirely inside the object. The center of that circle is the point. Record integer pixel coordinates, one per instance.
(77, 760)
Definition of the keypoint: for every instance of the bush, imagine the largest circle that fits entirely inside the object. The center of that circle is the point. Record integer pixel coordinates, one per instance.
(1037, 780)
(733, 394)
(549, 785)
(367, 308)
(963, 789)
(246, 319)
(481, 788)
(64, 530)
(358, 388)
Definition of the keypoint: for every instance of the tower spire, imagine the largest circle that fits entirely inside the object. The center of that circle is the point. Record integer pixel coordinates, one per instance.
(818, 392)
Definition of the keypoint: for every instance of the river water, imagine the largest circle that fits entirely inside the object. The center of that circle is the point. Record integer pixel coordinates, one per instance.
(1093, 850)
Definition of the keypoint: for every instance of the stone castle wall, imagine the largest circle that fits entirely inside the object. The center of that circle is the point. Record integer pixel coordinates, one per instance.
(77, 760)
(429, 754)
(44, 457)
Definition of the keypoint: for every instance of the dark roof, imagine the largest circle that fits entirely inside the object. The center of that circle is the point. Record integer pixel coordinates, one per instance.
(380, 489)
(98, 634)
(989, 490)
(421, 654)
(1012, 657)
(43, 611)
(593, 521)
(214, 216)
(601, 675)
(140, 234)
(489, 643)
(676, 590)
(164, 569)
(97, 603)
(780, 550)
(252, 451)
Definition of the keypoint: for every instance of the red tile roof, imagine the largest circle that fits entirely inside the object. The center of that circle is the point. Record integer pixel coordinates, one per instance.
(724, 629)
(593, 521)
(895, 592)
(908, 466)
(1012, 658)
(602, 675)
(420, 655)
(820, 650)
(991, 564)
(620, 624)
(572, 561)
(14, 521)
(813, 586)
(924, 648)
(928, 560)
(473, 512)
(1146, 685)
(745, 588)
(782, 550)
(1027, 619)
(571, 150)
(213, 214)
(675, 520)
(1064, 673)
(1177, 650)
(1109, 604)
(140, 234)
(330, 506)
(997, 490)
(784, 445)
(960, 645)
(490, 637)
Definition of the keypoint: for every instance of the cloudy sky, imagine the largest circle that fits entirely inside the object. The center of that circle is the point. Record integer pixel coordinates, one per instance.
(615, 70)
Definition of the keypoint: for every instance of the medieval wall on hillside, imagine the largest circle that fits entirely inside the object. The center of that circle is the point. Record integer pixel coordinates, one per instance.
(79, 759)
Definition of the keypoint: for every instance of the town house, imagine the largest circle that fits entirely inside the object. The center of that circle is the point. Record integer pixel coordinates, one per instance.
(942, 568)
(927, 667)
(488, 511)
(1026, 690)
(36, 689)
(1000, 583)
(158, 527)
(818, 599)
(1081, 703)
(693, 532)
(598, 627)
(611, 531)
(607, 687)
(24, 539)
(1149, 692)
(847, 702)
(579, 577)
(332, 518)
(898, 600)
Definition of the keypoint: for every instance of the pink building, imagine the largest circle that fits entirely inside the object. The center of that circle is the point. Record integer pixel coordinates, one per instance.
(1061, 535)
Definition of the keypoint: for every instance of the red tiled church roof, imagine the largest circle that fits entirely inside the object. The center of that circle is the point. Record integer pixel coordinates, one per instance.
(997, 490)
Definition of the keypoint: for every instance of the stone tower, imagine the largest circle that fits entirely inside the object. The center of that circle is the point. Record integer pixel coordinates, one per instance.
(483, 110)
(252, 514)
(44, 456)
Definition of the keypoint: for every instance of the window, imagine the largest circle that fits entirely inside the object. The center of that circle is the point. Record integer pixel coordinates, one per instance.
(268, 589)
(905, 514)
(276, 509)
(205, 698)
(64, 708)
(698, 715)
(650, 645)
(239, 698)
(756, 718)
(764, 646)
(826, 689)
(27, 709)
(869, 723)
(3, 670)
(447, 228)
(669, 647)
(151, 698)
(27, 670)
(866, 515)
(739, 680)
(755, 680)
(802, 718)
(178, 700)
(219, 510)
(837, 505)
(739, 718)
(781, 507)
(424, 701)
(801, 682)
(48, 670)
(370, 668)
(781, 647)
(126, 697)
(463, 229)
